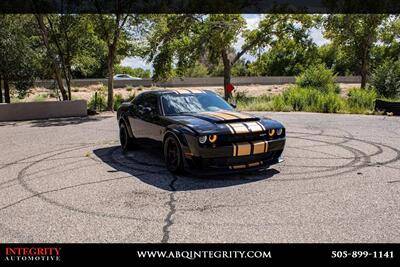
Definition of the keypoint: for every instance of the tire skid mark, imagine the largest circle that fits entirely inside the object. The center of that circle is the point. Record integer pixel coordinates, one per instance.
(41, 195)
(359, 156)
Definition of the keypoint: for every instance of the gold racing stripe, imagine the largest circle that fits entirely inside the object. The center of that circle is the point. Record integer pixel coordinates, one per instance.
(219, 115)
(184, 91)
(243, 149)
(254, 164)
(259, 147)
(238, 127)
(262, 126)
(212, 114)
(196, 91)
(235, 149)
(238, 167)
(253, 126)
(226, 116)
(238, 115)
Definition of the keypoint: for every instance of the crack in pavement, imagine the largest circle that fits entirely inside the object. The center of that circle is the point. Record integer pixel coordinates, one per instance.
(172, 209)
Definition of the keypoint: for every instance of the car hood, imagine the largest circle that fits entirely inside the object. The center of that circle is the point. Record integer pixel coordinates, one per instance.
(221, 122)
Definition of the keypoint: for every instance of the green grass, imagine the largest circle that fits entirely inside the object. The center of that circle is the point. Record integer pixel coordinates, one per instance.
(309, 99)
(41, 97)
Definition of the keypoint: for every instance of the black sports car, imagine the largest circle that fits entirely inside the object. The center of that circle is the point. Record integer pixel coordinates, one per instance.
(200, 132)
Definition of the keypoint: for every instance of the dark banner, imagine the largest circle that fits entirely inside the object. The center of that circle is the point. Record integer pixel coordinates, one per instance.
(263, 254)
(200, 6)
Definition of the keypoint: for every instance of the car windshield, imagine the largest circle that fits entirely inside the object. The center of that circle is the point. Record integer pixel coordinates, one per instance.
(174, 104)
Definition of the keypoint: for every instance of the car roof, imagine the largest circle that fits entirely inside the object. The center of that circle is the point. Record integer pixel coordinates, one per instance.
(178, 91)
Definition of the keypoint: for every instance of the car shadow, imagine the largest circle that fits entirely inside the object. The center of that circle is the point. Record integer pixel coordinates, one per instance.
(147, 165)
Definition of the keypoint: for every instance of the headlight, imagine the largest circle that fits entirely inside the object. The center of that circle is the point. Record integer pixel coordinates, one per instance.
(271, 132)
(279, 131)
(202, 139)
(212, 138)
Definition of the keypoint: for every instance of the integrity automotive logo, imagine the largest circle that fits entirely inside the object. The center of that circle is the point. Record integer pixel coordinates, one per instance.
(31, 254)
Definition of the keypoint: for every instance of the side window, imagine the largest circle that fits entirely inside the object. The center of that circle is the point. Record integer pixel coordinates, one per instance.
(137, 101)
(148, 106)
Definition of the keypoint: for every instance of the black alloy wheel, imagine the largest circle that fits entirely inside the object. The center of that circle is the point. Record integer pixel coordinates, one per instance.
(173, 155)
(127, 143)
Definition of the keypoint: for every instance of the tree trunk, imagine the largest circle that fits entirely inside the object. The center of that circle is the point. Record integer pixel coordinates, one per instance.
(6, 91)
(68, 78)
(227, 73)
(110, 82)
(56, 69)
(363, 72)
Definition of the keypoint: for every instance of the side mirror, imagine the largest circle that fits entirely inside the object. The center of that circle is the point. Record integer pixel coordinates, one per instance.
(233, 104)
(144, 110)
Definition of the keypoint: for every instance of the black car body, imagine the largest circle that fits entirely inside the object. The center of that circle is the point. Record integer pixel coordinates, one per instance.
(202, 130)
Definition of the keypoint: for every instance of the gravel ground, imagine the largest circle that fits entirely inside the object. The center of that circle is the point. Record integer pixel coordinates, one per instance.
(66, 180)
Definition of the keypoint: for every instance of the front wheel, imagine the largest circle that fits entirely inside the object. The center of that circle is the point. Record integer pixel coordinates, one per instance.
(173, 155)
(127, 143)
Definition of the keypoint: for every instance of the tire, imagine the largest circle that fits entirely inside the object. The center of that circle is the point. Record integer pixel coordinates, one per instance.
(127, 143)
(173, 155)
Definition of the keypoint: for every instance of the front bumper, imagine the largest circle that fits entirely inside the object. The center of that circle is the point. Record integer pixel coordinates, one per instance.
(223, 159)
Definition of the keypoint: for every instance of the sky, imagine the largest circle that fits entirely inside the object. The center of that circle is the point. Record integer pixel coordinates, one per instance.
(252, 22)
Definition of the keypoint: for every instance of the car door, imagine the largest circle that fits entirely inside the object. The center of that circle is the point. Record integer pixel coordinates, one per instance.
(145, 122)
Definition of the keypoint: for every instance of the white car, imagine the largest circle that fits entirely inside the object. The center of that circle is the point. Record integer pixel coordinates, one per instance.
(125, 77)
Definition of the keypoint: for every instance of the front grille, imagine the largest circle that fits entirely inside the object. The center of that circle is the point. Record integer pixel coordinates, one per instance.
(229, 139)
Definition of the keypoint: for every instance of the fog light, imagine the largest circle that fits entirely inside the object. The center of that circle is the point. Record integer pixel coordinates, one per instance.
(202, 139)
(279, 131)
(212, 138)
(271, 132)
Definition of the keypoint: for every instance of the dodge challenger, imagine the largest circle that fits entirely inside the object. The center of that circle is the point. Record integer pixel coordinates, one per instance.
(200, 132)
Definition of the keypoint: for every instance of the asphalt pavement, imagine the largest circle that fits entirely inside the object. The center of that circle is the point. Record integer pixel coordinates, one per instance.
(66, 180)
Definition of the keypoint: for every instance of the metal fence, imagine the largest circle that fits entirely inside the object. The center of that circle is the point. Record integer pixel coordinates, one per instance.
(192, 82)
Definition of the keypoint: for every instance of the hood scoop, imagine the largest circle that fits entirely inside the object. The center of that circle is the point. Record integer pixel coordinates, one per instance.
(237, 120)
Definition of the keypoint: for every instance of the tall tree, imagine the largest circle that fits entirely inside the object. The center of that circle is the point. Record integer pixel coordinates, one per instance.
(17, 54)
(114, 31)
(181, 40)
(45, 35)
(356, 35)
(72, 38)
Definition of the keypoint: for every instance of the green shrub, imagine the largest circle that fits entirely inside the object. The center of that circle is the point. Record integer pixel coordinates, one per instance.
(98, 101)
(301, 99)
(278, 104)
(330, 103)
(361, 100)
(118, 100)
(254, 103)
(318, 77)
(310, 100)
(386, 79)
(240, 96)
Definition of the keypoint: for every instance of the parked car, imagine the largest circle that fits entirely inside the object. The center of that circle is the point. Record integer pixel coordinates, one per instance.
(125, 77)
(200, 132)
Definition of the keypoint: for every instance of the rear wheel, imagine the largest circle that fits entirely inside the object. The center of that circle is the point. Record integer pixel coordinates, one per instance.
(173, 155)
(127, 143)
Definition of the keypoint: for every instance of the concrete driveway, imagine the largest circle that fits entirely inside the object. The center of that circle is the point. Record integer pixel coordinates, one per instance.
(67, 181)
